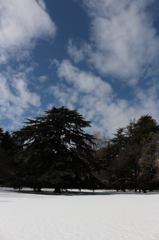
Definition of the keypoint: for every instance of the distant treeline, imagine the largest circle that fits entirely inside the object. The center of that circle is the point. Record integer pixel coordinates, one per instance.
(55, 151)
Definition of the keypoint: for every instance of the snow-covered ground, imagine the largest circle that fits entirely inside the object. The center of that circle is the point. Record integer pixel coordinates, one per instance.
(104, 216)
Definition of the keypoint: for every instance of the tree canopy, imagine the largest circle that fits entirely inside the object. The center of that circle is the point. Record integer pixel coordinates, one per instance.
(57, 151)
(131, 156)
(6, 156)
(54, 150)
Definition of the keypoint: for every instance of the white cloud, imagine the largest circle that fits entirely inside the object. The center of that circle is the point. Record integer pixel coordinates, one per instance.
(123, 45)
(124, 41)
(42, 4)
(16, 98)
(21, 23)
(75, 53)
(97, 101)
(86, 82)
(42, 78)
(65, 95)
(78, 54)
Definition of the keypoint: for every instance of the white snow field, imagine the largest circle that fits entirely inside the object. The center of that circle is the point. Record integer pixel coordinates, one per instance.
(100, 216)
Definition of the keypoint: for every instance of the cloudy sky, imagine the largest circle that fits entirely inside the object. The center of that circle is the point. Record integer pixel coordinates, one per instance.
(99, 57)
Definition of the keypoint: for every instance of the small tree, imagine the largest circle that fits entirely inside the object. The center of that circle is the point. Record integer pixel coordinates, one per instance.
(58, 151)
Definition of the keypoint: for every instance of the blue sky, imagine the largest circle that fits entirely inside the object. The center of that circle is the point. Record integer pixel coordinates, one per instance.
(99, 57)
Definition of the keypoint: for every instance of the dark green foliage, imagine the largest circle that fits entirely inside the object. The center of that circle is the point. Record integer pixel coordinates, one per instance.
(130, 157)
(149, 162)
(56, 151)
(7, 143)
(138, 130)
(6, 157)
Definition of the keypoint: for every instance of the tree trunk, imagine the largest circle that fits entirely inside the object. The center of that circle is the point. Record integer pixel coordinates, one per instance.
(57, 189)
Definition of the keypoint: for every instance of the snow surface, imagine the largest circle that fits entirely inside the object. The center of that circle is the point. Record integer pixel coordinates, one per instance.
(100, 216)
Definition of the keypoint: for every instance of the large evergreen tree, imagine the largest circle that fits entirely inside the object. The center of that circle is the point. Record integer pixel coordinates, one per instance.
(56, 151)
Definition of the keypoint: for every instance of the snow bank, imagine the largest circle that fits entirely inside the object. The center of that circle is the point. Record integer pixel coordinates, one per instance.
(105, 216)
